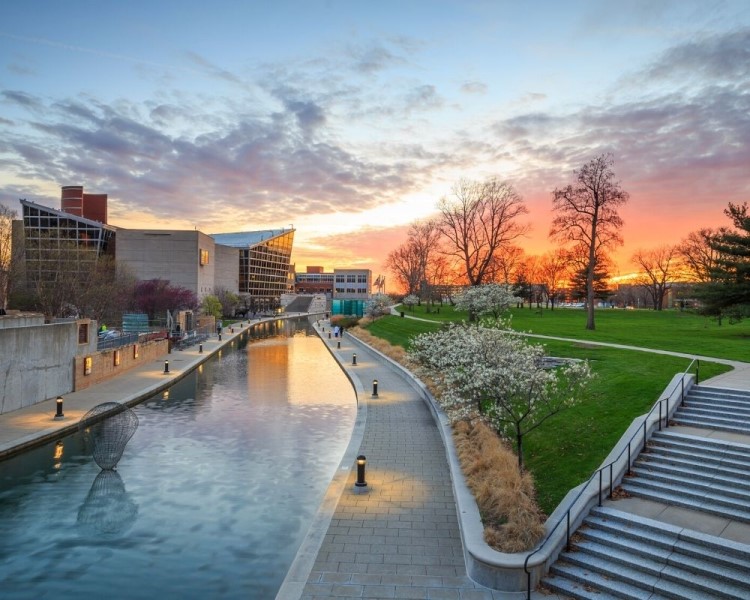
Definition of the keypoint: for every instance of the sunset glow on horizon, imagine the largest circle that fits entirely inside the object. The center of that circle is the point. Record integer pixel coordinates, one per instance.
(349, 121)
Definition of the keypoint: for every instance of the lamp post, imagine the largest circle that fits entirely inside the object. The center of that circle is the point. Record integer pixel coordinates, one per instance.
(361, 462)
(354, 359)
(59, 406)
(374, 388)
(166, 366)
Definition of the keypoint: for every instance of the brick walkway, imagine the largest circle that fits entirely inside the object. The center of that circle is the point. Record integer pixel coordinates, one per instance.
(400, 538)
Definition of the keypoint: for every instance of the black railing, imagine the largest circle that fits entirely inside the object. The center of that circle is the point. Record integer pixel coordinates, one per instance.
(610, 466)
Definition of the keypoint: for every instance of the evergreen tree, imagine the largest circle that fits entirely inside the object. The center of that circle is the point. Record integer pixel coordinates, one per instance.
(728, 293)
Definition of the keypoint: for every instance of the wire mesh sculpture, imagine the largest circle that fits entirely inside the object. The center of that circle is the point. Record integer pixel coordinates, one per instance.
(107, 428)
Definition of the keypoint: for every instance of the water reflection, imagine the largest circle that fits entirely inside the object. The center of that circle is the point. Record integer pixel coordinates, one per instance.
(108, 507)
(223, 477)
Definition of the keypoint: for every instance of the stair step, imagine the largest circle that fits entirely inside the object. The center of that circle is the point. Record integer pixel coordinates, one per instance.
(574, 588)
(695, 408)
(609, 583)
(633, 530)
(696, 460)
(705, 424)
(716, 489)
(709, 458)
(668, 495)
(735, 479)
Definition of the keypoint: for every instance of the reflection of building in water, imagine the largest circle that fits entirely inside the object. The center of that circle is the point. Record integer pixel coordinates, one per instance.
(108, 507)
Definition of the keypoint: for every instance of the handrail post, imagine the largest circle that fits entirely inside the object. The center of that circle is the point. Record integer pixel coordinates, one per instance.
(666, 421)
(697, 370)
(611, 478)
(629, 471)
(659, 415)
(600, 487)
(644, 433)
(567, 534)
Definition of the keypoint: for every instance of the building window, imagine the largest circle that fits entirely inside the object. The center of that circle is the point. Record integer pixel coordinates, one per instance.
(204, 258)
(83, 333)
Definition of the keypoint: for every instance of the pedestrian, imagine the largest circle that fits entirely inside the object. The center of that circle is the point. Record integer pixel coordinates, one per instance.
(336, 331)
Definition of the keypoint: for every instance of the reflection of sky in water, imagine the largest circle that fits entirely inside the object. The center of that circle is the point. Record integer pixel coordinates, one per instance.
(213, 494)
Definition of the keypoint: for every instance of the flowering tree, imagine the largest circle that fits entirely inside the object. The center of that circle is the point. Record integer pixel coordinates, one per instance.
(489, 298)
(498, 376)
(411, 300)
(379, 305)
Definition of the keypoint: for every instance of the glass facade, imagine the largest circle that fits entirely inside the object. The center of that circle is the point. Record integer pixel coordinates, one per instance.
(55, 241)
(264, 270)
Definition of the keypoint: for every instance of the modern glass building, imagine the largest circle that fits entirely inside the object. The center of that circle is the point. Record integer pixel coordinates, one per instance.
(264, 264)
(254, 265)
(56, 241)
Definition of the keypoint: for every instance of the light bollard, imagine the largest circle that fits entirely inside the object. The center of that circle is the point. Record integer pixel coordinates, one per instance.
(166, 366)
(361, 462)
(338, 345)
(354, 359)
(374, 388)
(200, 348)
(59, 406)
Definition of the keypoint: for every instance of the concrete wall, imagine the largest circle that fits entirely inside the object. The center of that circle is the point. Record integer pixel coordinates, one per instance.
(18, 319)
(227, 268)
(170, 255)
(36, 361)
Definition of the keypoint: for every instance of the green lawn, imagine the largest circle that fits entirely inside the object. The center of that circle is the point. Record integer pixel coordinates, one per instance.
(567, 448)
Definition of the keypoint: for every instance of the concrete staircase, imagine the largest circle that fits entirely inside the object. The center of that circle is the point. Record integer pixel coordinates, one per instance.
(715, 408)
(617, 554)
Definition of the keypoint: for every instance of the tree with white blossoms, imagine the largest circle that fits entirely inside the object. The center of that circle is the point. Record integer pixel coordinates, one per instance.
(379, 305)
(488, 298)
(498, 376)
(411, 300)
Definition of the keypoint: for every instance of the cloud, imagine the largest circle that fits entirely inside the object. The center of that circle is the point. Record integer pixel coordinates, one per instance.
(423, 97)
(720, 57)
(474, 87)
(21, 99)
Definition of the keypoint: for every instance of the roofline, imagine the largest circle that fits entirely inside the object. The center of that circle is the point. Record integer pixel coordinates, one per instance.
(67, 215)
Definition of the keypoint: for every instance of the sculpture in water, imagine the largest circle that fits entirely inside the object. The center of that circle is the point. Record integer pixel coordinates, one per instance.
(108, 435)
(108, 508)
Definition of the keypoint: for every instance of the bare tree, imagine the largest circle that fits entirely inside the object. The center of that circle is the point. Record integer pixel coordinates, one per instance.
(411, 262)
(553, 273)
(7, 216)
(659, 268)
(699, 254)
(506, 263)
(478, 221)
(586, 213)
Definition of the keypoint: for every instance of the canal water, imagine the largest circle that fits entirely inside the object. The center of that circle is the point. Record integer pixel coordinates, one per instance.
(212, 496)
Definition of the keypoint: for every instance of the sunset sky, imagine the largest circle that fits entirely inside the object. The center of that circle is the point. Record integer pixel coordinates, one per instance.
(349, 120)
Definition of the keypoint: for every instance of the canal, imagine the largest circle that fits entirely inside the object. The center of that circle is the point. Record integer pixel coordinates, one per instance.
(212, 496)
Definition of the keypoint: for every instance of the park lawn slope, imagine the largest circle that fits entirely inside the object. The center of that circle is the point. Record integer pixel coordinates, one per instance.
(567, 448)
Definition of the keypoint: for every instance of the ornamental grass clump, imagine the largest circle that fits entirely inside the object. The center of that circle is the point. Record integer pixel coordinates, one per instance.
(505, 496)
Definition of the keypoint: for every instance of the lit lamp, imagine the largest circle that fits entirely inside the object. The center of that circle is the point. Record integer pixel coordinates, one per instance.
(374, 388)
(354, 359)
(361, 462)
(338, 344)
(59, 404)
(166, 366)
(200, 348)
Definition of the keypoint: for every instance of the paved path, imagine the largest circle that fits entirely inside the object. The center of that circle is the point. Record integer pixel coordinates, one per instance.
(400, 538)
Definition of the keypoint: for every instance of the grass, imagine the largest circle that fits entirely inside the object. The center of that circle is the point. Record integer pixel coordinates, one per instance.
(568, 447)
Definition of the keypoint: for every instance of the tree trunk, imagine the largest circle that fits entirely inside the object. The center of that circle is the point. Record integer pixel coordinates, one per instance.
(519, 444)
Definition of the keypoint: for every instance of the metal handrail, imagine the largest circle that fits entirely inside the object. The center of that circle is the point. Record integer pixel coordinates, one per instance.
(599, 472)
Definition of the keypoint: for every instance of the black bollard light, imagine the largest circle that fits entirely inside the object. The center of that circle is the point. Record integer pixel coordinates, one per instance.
(200, 348)
(329, 335)
(354, 359)
(361, 462)
(219, 337)
(338, 345)
(231, 330)
(59, 404)
(166, 366)
(374, 388)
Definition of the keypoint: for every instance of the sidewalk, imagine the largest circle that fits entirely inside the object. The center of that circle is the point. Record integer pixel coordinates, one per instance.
(399, 536)
(34, 425)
